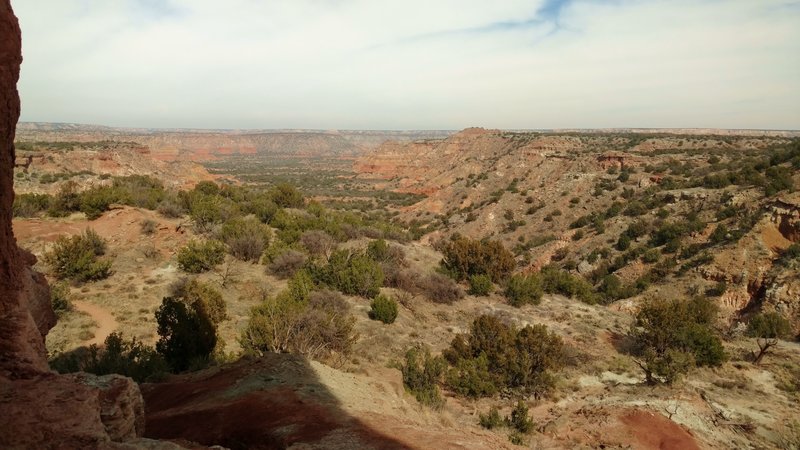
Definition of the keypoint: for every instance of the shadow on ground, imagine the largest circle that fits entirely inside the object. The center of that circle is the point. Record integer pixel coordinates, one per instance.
(272, 402)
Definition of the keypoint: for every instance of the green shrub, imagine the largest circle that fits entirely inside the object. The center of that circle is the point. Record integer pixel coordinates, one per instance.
(717, 290)
(498, 356)
(421, 376)
(778, 179)
(30, 205)
(204, 210)
(519, 418)
(790, 255)
(76, 258)
(471, 377)
(672, 336)
(201, 256)
(611, 289)
(523, 290)
(316, 324)
(286, 196)
(517, 438)
(272, 324)
(767, 328)
(352, 273)
(623, 243)
(300, 286)
(246, 238)
(142, 191)
(378, 250)
(263, 208)
(668, 232)
(556, 281)
(464, 257)
(383, 309)
(480, 285)
(60, 298)
(200, 296)
(651, 256)
(719, 235)
(66, 201)
(187, 335)
(491, 420)
(95, 201)
(129, 358)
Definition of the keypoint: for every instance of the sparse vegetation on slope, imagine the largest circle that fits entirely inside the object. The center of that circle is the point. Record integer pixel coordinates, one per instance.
(77, 258)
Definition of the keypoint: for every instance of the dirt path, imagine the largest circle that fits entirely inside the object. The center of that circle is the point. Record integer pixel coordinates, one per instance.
(106, 323)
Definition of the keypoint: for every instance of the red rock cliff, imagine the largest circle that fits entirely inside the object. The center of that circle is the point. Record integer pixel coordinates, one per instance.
(41, 409)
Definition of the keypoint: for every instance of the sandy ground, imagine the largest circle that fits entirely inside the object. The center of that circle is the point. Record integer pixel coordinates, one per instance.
(106, 323)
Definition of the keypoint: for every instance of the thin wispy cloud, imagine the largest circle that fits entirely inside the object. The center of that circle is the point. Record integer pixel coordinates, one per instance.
(412, 64)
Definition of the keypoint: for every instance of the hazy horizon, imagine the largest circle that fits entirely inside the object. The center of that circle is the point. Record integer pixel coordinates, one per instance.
(359, 65)
(454, 130)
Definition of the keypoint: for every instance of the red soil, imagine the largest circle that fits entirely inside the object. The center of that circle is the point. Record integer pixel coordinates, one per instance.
(249, 405)
(654, 431)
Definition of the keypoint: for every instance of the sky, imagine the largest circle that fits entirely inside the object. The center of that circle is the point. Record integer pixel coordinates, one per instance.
(412, 64)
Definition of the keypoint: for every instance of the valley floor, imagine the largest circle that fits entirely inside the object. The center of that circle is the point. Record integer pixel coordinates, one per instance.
(600, 399)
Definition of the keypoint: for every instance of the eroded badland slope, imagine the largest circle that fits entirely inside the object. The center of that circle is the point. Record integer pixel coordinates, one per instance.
(569, 199)
(358, 400)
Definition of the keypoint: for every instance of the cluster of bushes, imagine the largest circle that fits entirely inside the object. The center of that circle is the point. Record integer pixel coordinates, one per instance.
(351, 272)
(519, 421)
(30, 205)
(135, 190)
(60, 298)
(670, 233)
(464, 257)
(492, 357)
(187, 328)
(773, 172)
(497, 356)
(558, 281)
(242, 218)
(77, 258)
(236, 216)
(302, 319)
(201, 256)
(480, 285)
(130, 358)
(246, 237)
(669, 337)
(187, 334)
(523, 290)
(528, 289)
(422, 374)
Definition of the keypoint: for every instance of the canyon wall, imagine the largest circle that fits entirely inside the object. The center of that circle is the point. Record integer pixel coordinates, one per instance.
(39, 408)
(207, 145)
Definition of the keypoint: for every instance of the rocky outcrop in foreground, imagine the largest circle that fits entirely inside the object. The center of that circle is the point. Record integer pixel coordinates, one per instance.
(39, 408)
